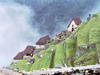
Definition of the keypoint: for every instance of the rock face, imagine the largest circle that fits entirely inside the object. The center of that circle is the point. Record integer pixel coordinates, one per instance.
(81, 49)
(83, 46)
(80, 52)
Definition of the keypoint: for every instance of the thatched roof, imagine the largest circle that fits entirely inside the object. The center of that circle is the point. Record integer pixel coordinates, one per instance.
(19, 56)
(77, 21)
(28, 50)
(42, 40)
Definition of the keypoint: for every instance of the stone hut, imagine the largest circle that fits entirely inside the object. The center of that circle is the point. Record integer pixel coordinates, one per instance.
(73, 24)
(27, 52)
(40, 44)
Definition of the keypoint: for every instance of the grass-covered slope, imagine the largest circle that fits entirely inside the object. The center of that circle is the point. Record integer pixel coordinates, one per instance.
(78, 30)
(98, 49)
(87, 33)
(83, 35)
(95, 30)
(28, 67)
(21, 65)
(70, 47)
(88, 58)
(36, 65)
(59, 55)
(46, 61)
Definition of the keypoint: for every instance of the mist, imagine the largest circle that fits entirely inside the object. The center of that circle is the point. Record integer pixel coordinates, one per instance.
(15, 30)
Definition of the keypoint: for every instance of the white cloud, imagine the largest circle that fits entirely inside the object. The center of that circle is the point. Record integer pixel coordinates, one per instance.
(15, 30)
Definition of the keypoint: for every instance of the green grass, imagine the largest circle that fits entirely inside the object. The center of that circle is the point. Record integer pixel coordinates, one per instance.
(36, 65)
(78, 29)
(93, 61)
(35, 56)
(52, 47)
(69, 63)
(59, 55)
(83, 35)
(87, 56)
(95, 31)
(98, 48)
(21, 64)
(42, 52)
(70, 47)
(46, 60)
(12, 65)
(64, 53)
(28, 67)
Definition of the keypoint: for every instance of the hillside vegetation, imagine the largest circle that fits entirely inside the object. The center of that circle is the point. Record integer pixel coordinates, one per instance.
(66, 52)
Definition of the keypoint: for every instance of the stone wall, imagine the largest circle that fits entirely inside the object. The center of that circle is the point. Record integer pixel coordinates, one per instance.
(46, 47)
(26, 57)
(36, 52)
(55, 43)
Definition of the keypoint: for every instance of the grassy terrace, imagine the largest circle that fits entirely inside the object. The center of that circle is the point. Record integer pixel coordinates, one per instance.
(36, 65)
(95, 31)
(78, 30)
(58, 55)
(52, 47)
(28, 67)
(35, 56)
(46, 60)
(21, 64)
(98, 48)
(83, 35)
(89, 57)
(70, 47)
(69, 63)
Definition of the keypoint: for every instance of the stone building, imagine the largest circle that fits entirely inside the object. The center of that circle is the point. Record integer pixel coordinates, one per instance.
(28, 52)
(73, 24)
(40, 44)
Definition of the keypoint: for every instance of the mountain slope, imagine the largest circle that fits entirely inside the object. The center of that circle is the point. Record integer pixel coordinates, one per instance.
(66, 52)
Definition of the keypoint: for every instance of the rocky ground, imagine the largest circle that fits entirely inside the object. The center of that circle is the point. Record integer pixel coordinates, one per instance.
(64, 70)
(4, 71)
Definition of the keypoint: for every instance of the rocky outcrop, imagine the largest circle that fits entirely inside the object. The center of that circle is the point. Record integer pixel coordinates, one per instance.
(81, 49)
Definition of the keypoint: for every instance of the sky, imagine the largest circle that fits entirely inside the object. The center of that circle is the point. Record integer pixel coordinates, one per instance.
(16, 30)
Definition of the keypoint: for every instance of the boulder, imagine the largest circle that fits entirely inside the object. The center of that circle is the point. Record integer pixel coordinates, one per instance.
(58, 66)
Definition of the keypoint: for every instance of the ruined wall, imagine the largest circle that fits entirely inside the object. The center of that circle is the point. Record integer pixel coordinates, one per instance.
(46, 47)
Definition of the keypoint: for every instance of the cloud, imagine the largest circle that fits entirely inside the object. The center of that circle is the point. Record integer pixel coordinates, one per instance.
(15, 30)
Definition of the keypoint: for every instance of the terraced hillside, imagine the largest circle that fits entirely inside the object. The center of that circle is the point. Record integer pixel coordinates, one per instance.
(82, 48)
